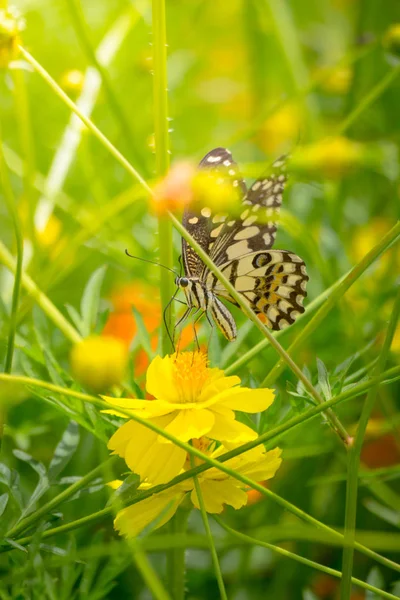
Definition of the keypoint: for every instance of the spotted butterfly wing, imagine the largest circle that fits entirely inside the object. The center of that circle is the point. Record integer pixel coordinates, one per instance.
(201, 225)
(271, 282)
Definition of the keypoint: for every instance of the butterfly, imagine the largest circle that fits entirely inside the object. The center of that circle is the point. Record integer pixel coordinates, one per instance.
(271, 282)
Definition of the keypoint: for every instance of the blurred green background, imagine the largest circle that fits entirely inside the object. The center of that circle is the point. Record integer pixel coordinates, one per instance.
(317, 79)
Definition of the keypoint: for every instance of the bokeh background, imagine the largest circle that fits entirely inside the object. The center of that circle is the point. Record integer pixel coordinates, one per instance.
(316, 79)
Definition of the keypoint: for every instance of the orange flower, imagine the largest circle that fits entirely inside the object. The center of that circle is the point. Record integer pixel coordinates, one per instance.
(176, 190)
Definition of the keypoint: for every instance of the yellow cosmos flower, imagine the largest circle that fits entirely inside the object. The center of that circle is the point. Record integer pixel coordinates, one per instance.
(192, 400)
(218, 489)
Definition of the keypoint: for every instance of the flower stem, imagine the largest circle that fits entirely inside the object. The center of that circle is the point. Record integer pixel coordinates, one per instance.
(286, 358)
(369, 99)
(390, 238)
(81, 30)
(354, 457)
(305, 561)
(89, 124)
(162, 157)
(42, 300)
(10, 201)
(176, 556)
(214, 555)
(208, 462)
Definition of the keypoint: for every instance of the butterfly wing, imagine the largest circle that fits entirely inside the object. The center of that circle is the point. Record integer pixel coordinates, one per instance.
(271, 282)
(201, 225)
(256, 228)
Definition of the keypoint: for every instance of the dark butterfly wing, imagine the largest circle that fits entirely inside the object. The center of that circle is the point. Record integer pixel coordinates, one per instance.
(201, 224)
(256, 228)
(271, 282)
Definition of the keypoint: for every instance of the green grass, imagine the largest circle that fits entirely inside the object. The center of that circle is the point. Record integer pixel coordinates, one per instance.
(264, 78)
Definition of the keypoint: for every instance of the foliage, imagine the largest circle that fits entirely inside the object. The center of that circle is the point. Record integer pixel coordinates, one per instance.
(318, 80)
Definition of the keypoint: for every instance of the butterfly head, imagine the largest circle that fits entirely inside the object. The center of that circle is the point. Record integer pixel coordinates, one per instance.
(182, 282)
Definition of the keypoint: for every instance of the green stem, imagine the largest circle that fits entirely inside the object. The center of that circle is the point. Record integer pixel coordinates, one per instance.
(305, 561)
(255, 350)
(354, 458)
(81, 30)
(208, 462)
(162, 157)
(59, 499)
(10, 201)
(213, 550)
(89, 124)
(285, 357)
(176, 556)
(41, 299)
(390, 238)
(27, 145)
(369, 99)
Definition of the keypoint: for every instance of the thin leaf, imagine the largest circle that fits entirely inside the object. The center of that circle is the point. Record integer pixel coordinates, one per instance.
(91, 300)
(323, 380)
(64, 450)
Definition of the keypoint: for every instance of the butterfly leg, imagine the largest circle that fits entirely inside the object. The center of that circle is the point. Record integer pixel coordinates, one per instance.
(181, 320)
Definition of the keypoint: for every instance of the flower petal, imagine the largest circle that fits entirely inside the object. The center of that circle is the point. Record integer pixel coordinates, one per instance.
(189, 424)
(152, 460)
(226, 428)
(217, 383)
(132, 520)
(160, 379)
(218, 493)
(143, 408)
(144, 454)
(247, 399)
(265, 468)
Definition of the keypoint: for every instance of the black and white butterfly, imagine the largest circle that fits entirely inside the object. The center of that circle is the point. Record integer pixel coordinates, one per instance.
(272, 282)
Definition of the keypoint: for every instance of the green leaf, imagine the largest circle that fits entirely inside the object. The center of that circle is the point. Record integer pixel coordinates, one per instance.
(76, 318)
(3, 503)
(323, 380)
(143, 334)
(374, 578)
(91, 300)
(64, 450)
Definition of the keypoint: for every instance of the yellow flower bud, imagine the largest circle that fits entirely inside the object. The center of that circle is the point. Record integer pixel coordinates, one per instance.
(11, 24)
(99, 362)
(331, 157)
(72, 80)
(391, 39)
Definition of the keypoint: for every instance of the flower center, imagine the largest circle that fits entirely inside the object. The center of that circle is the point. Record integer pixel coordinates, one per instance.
(190, 374)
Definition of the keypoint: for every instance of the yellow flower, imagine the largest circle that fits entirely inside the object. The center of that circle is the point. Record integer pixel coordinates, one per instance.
(391, 39)
(217, 488)
(11, 24)
(279, 128)
(192, 400)
(330, 157)
(73, 80)
(99, 362)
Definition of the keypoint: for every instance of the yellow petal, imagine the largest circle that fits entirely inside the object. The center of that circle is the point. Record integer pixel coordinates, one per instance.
(226, 428)
(247, 399)
(189, 424)
(154, 461)
(132, 520)
(265, 468)
(218, 493)
(143, 408)
(216, 384)
(160, 379)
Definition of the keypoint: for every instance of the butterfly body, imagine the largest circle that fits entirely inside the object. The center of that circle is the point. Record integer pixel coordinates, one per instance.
(272, 282)
(199, 296)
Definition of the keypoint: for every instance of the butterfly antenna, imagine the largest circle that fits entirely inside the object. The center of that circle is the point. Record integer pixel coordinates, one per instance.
(165, 319)
(152, 262)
